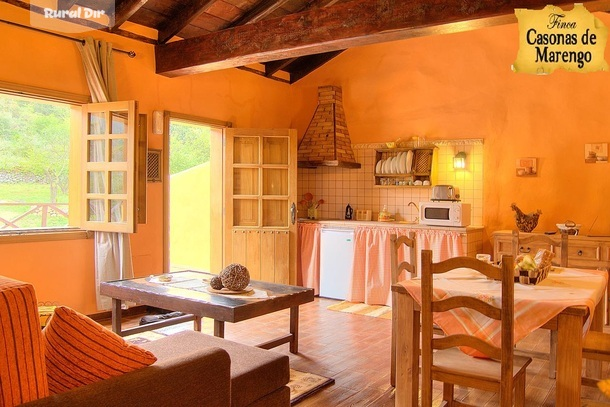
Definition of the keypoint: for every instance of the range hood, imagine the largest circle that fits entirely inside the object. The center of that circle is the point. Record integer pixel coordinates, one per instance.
(326, 142)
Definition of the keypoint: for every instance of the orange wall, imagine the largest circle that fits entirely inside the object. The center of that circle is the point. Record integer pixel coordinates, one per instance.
(443, 87)
(461, 86)
(63, 271)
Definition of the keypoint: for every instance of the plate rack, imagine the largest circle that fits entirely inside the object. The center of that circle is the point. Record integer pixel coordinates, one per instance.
(408, 167)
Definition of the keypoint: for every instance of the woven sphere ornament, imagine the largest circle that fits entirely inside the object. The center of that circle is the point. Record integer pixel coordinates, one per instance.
(235, 277)
(216, 283)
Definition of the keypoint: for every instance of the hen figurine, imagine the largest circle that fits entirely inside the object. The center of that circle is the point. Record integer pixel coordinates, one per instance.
(526, 222)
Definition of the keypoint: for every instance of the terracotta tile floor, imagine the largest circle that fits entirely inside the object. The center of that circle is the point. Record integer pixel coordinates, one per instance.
(355, 351)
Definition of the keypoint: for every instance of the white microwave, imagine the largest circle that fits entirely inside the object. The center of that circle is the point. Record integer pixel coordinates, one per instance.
(444, 213)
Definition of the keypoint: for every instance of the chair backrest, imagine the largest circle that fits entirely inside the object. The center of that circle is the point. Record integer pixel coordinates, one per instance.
(23, 376)
(397, 243)
(530, 244)
(503, 314)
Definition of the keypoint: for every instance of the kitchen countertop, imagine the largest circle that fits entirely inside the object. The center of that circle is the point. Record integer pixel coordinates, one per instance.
(403, 224)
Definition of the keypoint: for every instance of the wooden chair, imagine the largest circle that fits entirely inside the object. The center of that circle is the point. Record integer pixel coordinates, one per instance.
(503, 373)
(530, 245)
(595, 346)
(396, 244)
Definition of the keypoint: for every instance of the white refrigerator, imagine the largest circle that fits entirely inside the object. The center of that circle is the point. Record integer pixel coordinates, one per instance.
(336, 260)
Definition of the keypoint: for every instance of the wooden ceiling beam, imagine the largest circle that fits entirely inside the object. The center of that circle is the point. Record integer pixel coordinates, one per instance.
(319, 4)
(258, 12)
(272, 67)
(123, 10)
(305, 65)
(177, 21)
(344, 25)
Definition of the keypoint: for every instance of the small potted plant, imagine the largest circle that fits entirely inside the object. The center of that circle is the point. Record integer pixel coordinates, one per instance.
(312, 206)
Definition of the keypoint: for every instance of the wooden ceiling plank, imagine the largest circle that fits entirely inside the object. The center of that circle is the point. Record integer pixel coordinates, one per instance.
(344, 25)
(124, 10)
(258, 12)
(65, 4)
(175, 23)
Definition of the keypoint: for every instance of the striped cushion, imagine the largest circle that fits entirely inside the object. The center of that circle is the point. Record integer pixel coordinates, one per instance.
(79, 351)
(23, 376)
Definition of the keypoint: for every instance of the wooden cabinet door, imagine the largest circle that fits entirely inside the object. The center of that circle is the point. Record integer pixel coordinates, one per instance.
(259, 202)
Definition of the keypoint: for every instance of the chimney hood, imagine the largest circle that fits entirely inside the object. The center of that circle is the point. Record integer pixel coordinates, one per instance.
(326, 142)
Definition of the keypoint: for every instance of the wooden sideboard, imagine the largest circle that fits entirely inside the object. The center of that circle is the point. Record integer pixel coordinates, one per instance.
(587, 252)
(583, 251)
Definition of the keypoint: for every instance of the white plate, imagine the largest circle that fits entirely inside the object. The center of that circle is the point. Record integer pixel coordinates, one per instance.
(402, 164)
(383, 166)
(378, 167)
(387, 166)
(409, 161)
(394, 165)
(398, 160)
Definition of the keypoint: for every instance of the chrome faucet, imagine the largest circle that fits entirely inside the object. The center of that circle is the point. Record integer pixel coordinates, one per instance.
(416, 208)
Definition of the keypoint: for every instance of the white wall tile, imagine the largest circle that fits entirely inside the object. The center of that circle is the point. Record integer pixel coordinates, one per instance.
(340, 186)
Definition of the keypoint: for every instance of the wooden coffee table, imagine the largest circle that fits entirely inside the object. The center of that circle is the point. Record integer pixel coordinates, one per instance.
(188, 292)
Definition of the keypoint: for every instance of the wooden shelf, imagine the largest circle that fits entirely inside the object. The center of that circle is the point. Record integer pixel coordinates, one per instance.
(421, 167)
(402, 186)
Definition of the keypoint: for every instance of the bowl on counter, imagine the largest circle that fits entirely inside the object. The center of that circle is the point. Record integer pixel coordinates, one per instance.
(570, 227)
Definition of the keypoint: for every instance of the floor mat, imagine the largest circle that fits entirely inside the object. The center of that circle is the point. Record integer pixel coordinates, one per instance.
(377, 311)
(303, 385)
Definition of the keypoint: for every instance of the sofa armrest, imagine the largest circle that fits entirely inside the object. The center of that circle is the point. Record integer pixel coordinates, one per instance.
(200, 378)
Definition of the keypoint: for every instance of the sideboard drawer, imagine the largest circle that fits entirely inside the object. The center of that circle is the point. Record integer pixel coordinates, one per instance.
(584, 251)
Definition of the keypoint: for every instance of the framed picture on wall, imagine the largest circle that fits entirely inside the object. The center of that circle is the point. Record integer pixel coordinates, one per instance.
(526, 167)
(596, 153)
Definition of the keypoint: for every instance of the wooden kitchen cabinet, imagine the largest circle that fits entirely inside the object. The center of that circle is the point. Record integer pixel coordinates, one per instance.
(583, 251)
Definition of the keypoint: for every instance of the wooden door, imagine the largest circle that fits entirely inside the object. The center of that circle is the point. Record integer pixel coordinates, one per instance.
(260, 202)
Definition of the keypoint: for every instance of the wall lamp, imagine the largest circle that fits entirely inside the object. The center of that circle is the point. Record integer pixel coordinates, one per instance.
(459, 161)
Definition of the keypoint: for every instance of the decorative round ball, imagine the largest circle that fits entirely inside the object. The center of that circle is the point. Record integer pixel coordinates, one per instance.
(235, 277)
(216, 283)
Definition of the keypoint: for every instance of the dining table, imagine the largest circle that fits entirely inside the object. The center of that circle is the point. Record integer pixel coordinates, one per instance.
(568, 300)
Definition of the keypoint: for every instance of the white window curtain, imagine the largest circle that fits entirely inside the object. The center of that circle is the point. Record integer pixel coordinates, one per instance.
(112, 250)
